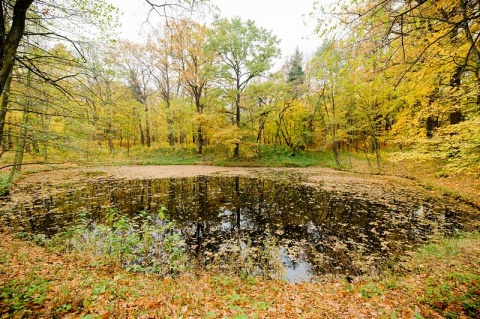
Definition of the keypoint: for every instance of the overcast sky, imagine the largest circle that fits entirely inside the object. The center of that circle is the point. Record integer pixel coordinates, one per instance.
(286, 18)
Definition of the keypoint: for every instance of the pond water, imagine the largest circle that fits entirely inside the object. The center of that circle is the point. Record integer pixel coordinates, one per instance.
(279, 226)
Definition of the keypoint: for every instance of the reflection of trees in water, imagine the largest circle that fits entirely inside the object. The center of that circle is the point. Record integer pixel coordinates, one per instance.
(228, 214)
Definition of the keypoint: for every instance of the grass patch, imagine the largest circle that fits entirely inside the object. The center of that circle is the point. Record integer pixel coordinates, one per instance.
(268, 156)
(4, 184)
(20, 294)
(452, 284)
(454, 295)
(162, 156)
(447, 249)
(264, 156)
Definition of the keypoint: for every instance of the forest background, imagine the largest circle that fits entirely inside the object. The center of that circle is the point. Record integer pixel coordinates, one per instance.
(393, 81)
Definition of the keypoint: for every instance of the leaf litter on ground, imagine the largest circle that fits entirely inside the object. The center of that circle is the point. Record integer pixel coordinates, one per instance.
(440, 280)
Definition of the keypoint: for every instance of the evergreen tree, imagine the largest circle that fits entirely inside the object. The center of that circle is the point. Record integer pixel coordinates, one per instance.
(296, 75)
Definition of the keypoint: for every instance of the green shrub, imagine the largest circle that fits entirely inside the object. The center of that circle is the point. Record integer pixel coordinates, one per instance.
(4, 184)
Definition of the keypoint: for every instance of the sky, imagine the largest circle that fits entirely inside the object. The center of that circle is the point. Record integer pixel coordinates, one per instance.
(288, 20)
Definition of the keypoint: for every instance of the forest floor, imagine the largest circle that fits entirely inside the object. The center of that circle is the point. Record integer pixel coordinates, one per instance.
(440, 280)
(431, 175)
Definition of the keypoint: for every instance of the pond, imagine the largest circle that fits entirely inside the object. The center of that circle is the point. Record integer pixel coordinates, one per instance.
(277, 228)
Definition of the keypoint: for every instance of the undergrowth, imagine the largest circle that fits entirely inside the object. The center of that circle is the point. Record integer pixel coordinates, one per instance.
(4, 184)
(147, 243)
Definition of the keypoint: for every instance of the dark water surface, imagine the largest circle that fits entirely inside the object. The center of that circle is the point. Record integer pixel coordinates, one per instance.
(310, 231)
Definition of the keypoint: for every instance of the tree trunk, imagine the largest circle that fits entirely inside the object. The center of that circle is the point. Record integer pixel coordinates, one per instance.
(432, 124)
(128, 144)
(261, 127)
(22, 138)
(142, 136)
(147, 132)
(45, 122)
(9, 42)
(365, 150)
(171, 136)
(376, 148)
(473, 45)
(236, 152)
(110, 137)
(335, 153)
(456, 117)
(170, 121)
(147, 126)
(4, 105)
(200, 140)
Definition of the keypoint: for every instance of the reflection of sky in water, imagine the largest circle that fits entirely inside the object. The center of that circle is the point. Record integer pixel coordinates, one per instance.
(298, 270)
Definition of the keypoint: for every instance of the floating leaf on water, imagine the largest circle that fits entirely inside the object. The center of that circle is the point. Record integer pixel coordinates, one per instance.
(213, 216)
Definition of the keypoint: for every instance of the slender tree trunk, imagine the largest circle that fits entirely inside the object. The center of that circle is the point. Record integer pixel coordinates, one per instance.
(335, 153)
(376, 148)
(110, 133)
(45, 122)
(147, 126)
(110, 137)
(170, 121)
(4, 105)
(478, 94)
(21, 141)
(22, 137)
(261, 127)
(171, 136)
(333, 126)
(349, 157)
(140, 129)
(147, 132)
(200, 139)
(365, 150)
(236, 151)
